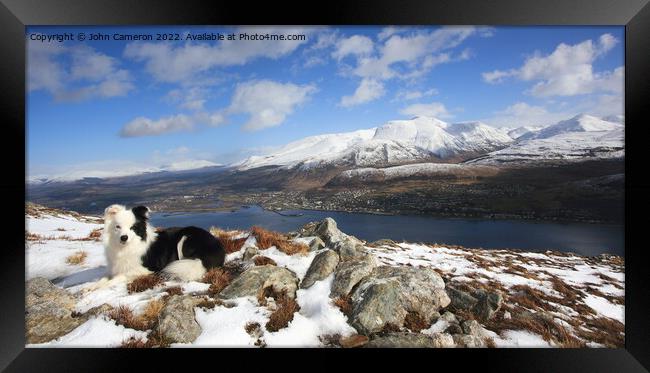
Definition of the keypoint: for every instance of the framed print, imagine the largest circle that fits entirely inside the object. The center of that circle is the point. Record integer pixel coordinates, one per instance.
(420, 178)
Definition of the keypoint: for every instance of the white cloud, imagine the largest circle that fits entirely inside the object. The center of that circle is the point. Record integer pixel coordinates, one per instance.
(405, 56)
(567, 71)
(433, 109)
(357, 45)
(167, 62)
(74, 73)
(389, 31)
(267, 103)
(368, 90)
(142, 126)
(407, 95)
(192, 98)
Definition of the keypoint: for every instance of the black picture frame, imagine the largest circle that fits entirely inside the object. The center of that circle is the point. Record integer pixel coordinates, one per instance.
(16, 14)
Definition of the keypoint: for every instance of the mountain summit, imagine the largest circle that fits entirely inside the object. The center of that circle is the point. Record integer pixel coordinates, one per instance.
(394, 142)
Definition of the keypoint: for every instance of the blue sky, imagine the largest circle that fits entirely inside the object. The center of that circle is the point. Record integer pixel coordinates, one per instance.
(98, 107)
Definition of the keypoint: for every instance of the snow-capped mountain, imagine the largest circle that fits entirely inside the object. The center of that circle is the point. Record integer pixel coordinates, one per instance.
(579, 123)
(523, 130)
(392, 143)
(110, 170)
(581, 137)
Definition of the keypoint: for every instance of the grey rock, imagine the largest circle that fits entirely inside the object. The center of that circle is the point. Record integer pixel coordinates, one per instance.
(48, 311)
(348, 274)
(387, 294)
(488, 303)
(176, 320)
(349, 249)
(328, 231)
(472, 327)
(461, 300)
(470, 341)
(481, 303)
(383, 242)
(412, 340)
(254, 280)
(449, 317)
(316, 244)
(454, 328)
(250, 252)
(322, 266)
(308, 229)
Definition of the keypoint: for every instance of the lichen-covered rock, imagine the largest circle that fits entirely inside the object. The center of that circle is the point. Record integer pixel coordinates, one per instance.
(316, 244)
(481, 303)
(349, 273)
(322, 266)
(349, 248)
(472, 327)
(387, 294)
(254, 280)
(471, 341)
(489, 302)
(250, 252)
(412, 340)
(461, 300)
(449, 317)
(328, 231)
(176, 320)
(48, 311)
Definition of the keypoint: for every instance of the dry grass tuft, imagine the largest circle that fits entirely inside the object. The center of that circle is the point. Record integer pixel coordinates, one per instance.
(266, 239)
(142, 283)
(489, 342)
(152, 311)
(261, 260)
(547, 328)
(124, 316)
(230, 244)
(252, 327)
(174, 290)
(415, 322)
(96, 234)
(137, 343)
(605, 331)
(218, 278)
(344, 304)
(208, 303)
(77, 258)
(282, 316)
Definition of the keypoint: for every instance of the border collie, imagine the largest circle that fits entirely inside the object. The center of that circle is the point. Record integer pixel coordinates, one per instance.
(134, 248)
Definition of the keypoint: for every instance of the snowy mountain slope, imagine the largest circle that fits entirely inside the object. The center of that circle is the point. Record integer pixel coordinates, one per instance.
(427, 170)
(518, 132)
(119, 170)
(579, 123)
(566, 146)
(396, 141)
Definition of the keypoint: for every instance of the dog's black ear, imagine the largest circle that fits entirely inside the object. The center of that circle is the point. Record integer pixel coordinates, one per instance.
(141, 212)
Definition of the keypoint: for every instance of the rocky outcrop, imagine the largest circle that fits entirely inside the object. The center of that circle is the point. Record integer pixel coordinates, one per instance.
(316, 244)
(388, 294)
(412, 340)
(322, 266)
(253, 281)
(483, 304)
(349, 273)
(48, 311)
(176, 320)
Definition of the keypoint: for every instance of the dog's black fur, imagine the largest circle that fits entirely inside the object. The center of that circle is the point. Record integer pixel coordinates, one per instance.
(198, 244)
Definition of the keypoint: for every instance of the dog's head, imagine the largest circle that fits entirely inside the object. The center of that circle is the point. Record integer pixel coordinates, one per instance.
(125, 226)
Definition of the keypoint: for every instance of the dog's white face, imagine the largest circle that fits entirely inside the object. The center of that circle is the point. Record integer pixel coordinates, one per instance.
(126, 226)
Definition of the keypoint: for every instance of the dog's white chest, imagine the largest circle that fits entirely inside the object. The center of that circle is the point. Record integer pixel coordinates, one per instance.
(126, 260)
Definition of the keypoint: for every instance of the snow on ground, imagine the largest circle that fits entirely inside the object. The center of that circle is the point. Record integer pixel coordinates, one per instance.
(597, 282)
